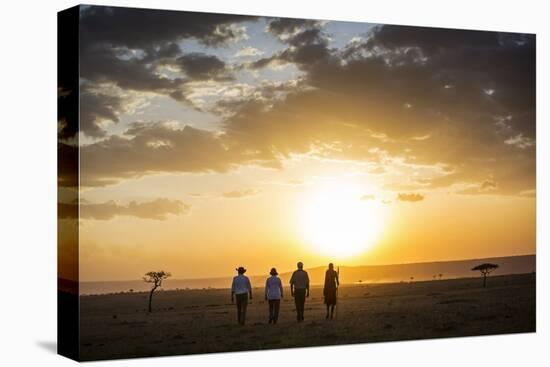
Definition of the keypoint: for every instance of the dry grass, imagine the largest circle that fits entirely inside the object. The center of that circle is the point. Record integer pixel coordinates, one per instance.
(204, 321)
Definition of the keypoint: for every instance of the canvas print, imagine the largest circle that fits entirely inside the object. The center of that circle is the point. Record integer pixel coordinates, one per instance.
(236, 182)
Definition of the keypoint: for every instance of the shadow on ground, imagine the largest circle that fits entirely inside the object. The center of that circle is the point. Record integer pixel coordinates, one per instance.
(48, 345)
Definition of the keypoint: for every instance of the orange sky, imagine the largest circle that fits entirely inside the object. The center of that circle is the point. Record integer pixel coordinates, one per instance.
(225, 141)
(264, 230)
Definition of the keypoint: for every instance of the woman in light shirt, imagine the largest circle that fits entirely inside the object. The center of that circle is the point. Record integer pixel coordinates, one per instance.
(273, 294)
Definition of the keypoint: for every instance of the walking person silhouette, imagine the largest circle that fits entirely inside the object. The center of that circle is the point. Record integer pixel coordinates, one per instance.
(241, 289)
(329, 290)
(299, 289)
(273, 295)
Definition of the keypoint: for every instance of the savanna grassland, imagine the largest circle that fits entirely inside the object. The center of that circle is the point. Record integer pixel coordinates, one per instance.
(204, 321)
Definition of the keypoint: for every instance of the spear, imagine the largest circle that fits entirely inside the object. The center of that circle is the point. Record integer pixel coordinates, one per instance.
(338, 286)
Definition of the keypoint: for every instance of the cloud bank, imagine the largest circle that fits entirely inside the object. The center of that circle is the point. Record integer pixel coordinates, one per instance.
(462, 100)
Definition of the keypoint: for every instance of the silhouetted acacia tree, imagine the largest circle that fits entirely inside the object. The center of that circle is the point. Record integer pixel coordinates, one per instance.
(156, 278)
(485, 269)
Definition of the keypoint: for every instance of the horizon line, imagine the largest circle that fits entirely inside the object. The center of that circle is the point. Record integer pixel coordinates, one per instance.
(318, 266)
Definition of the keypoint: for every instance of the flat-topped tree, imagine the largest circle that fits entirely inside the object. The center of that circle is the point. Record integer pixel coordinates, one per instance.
(155, 278)
(485, 269)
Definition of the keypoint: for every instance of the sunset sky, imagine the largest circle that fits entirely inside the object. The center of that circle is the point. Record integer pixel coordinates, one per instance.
(212, 141)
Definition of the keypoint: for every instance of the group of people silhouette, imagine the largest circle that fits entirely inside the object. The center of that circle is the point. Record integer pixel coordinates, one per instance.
(241, 291)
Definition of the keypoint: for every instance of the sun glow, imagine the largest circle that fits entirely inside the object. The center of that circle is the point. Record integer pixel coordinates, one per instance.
(338, 221)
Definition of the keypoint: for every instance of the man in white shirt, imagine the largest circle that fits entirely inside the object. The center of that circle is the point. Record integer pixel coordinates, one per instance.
(273, 295)
(240, 289)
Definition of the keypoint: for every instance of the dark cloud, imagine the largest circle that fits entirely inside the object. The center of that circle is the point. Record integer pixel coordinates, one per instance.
(145, 28)
(431, 40)
(306, 54)
(157, 209)
(126, 46)
(410, 197)
(96, 108)
(155, 148)
(166, 51)
(464, 100)
(200, 66)
(102, 65)
(308, 37)
(308, 44)
(469, 95)
(285, 28)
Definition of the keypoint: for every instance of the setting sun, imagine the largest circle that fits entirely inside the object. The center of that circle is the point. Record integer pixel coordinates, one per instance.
(338, 222)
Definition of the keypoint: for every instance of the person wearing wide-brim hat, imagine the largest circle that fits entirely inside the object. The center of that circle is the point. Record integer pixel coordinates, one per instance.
(241, 289)
(273, 295)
